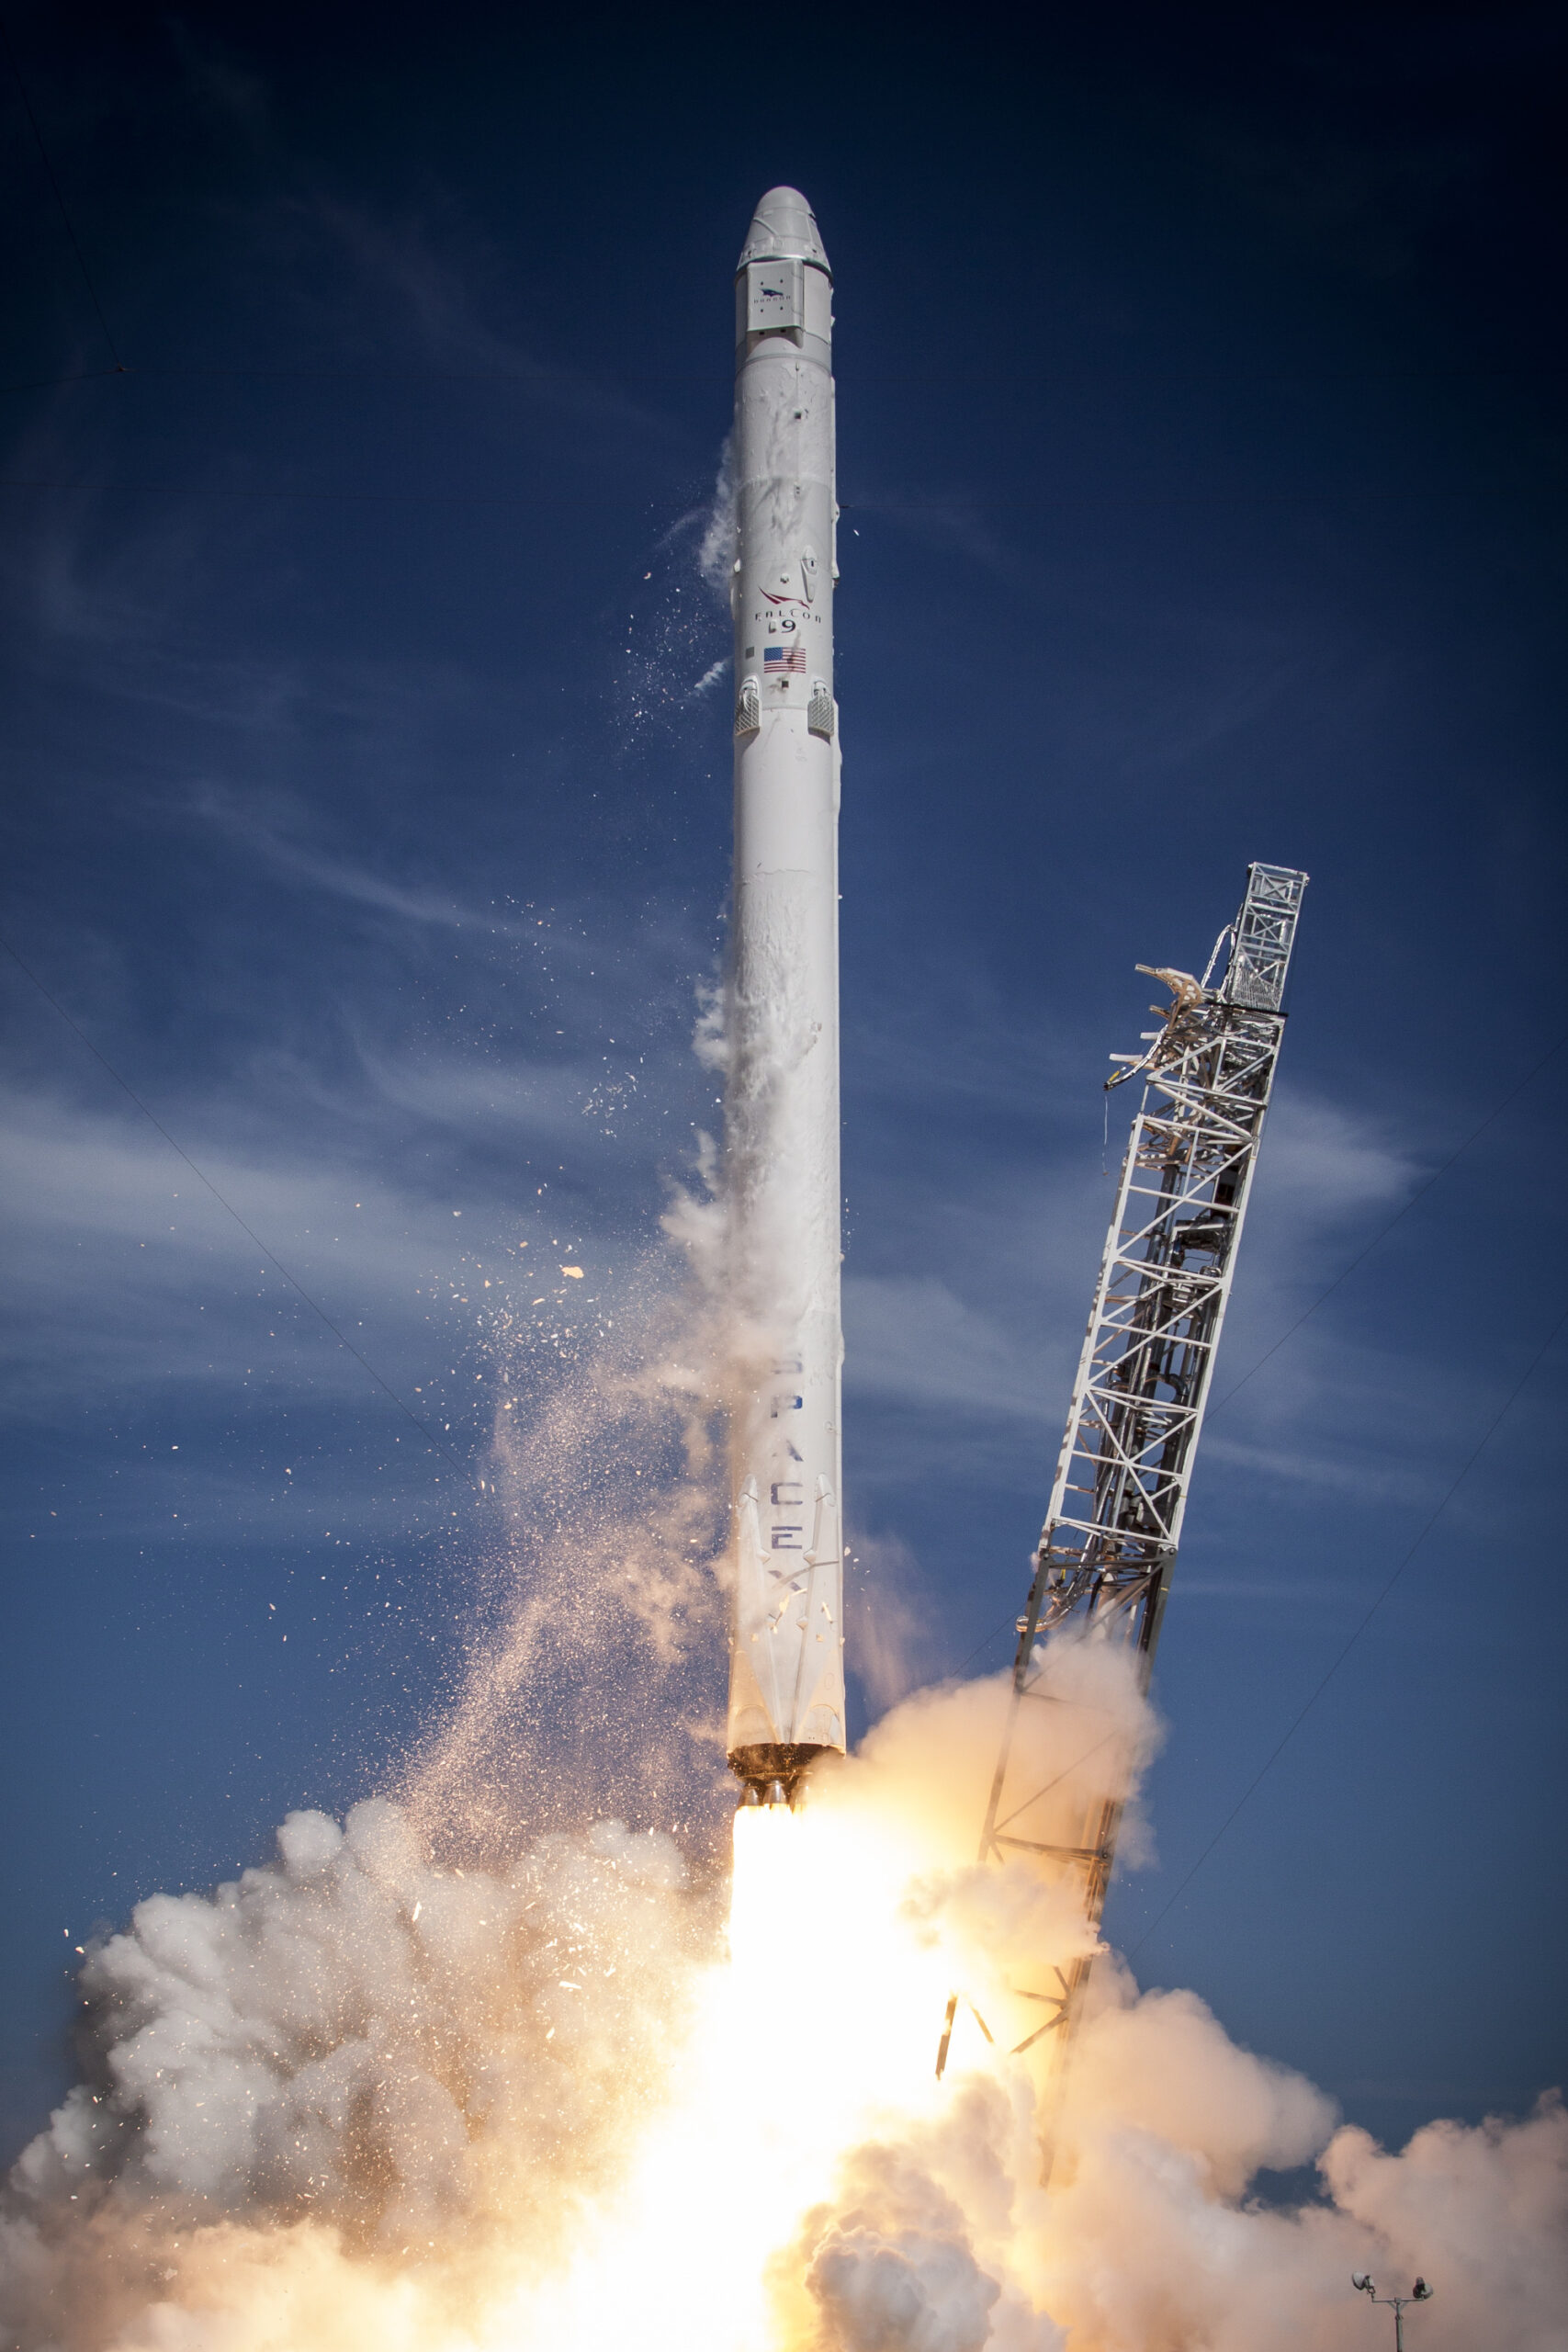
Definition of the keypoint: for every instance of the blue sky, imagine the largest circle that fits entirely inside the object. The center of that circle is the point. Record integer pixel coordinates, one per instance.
(367, 813)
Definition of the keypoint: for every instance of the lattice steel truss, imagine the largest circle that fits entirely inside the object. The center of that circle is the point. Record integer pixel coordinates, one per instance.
(1109, 1544)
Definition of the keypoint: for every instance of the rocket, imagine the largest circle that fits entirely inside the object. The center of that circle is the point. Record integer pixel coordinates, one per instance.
(781, 1153)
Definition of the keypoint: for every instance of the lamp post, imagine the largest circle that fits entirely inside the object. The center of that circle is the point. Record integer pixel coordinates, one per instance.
(1419, 2293)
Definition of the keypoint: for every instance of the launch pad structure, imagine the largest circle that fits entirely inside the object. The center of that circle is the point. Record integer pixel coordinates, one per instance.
(1105, 1554)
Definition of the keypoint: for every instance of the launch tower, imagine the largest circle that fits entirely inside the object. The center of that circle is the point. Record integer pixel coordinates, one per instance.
(1109, 1544)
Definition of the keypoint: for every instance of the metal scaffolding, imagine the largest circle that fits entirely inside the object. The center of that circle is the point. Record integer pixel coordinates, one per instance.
(1109, 1544)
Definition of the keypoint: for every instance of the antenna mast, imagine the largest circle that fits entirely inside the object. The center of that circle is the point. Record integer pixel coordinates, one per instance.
(1109, 1544)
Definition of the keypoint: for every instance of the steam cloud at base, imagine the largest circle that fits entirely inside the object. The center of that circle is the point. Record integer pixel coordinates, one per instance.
(362, 2095)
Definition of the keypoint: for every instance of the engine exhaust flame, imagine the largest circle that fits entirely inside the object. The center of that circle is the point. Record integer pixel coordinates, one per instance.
(359, 2096)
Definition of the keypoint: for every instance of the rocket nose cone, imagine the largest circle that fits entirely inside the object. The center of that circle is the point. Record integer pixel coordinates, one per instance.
(783, 224)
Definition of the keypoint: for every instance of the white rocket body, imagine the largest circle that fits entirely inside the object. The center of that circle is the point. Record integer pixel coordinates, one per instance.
(786, 1690)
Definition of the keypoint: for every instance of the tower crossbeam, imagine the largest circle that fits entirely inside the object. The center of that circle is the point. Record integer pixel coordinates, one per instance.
(1113, 1523)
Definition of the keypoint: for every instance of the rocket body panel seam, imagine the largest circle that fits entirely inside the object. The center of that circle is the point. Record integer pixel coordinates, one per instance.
(781, 1101)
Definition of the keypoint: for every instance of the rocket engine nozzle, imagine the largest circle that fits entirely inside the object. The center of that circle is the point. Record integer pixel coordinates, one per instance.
(774, 1775)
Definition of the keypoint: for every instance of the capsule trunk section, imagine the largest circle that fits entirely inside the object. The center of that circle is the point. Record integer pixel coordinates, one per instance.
(787, 1699)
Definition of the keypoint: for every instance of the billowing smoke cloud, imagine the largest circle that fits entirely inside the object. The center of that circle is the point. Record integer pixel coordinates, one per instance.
(365, 2094)
(942, 2232)
(891, 2263)
(412, 2056)
(355, 2031)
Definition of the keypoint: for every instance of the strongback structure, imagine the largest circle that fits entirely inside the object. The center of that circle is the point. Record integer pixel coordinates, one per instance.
(1109, 1544)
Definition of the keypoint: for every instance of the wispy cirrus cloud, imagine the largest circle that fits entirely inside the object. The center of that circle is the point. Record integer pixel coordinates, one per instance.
(911, 1339)
(964, 1359)
(949, 521)
(431, 278)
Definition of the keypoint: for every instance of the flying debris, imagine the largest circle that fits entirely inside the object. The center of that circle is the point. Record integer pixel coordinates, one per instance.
(786, 1692)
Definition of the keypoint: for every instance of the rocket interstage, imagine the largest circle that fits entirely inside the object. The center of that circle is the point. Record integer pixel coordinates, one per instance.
(786, 1684)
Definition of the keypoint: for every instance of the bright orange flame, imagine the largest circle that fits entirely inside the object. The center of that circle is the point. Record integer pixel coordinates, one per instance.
(796, 2175)
(820, 2027)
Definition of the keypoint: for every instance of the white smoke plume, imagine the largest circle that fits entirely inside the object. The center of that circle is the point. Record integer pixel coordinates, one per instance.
(354, 2031)
(361, 2092)
(891, 2262)
(720, 542)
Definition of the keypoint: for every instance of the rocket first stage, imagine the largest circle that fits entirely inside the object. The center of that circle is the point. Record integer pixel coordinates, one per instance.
(786, 1685)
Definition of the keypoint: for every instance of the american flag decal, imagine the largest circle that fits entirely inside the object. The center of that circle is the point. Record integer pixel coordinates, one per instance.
(788, 658)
